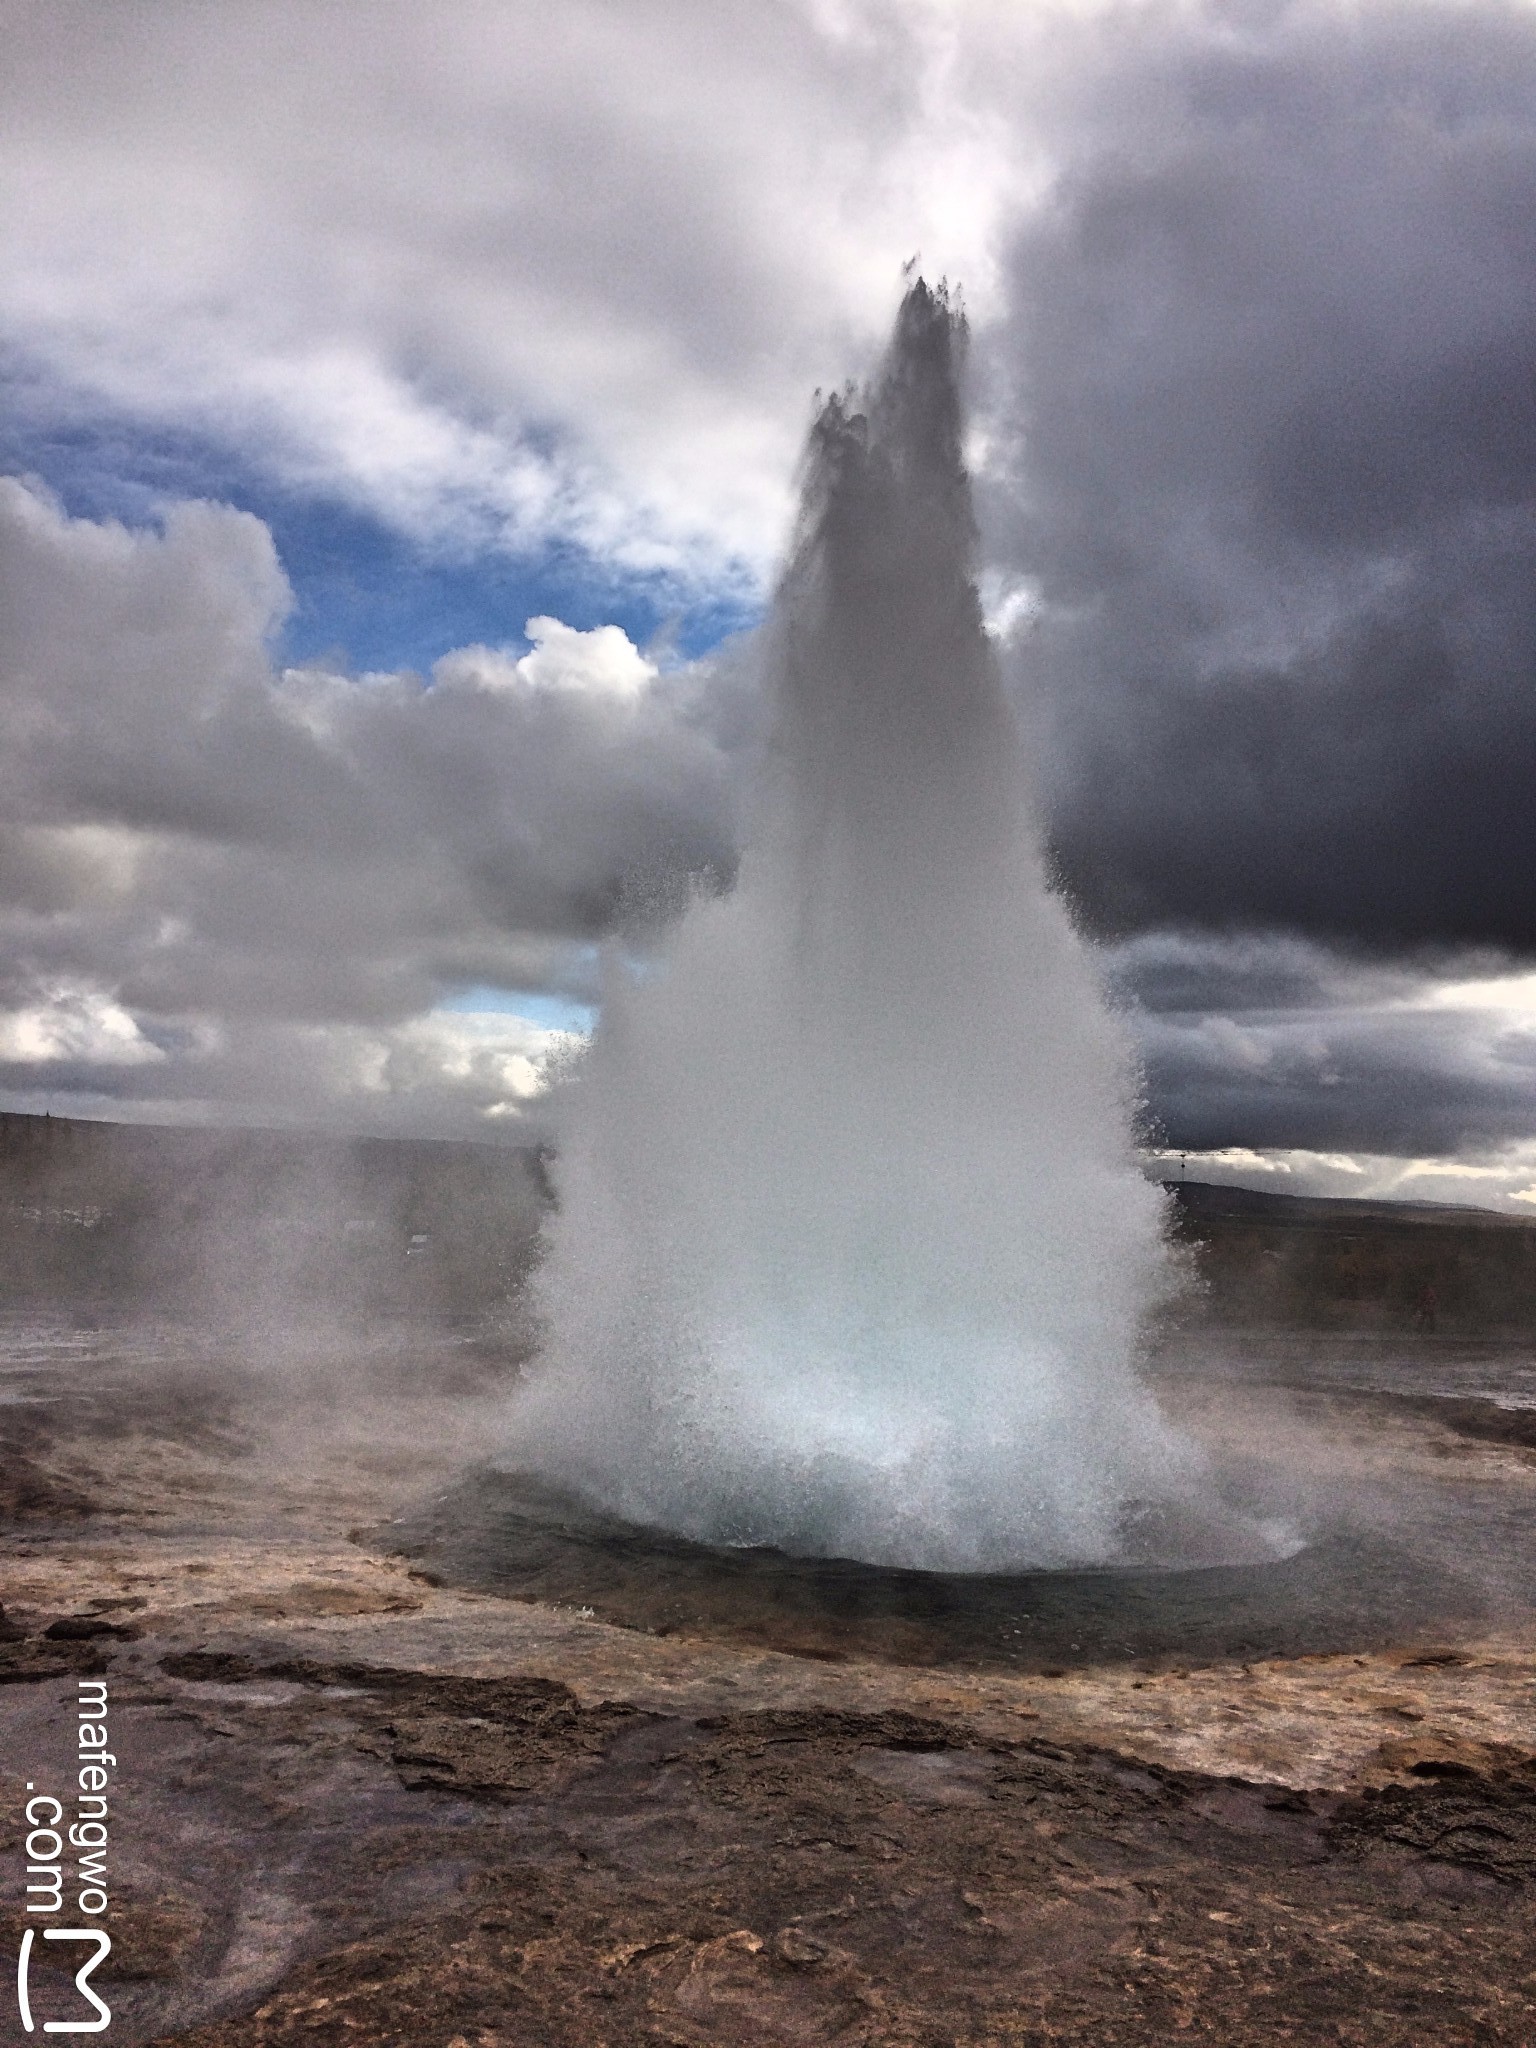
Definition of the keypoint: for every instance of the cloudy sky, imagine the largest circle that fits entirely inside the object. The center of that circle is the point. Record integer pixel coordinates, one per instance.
(401, 411)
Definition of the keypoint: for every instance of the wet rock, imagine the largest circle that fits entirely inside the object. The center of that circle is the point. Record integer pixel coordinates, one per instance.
(85, 1628)
(1473, 1807)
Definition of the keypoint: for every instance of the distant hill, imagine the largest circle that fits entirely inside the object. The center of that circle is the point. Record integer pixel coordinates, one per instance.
(1208, 1199)
(1338, 1264)
(235, 1219)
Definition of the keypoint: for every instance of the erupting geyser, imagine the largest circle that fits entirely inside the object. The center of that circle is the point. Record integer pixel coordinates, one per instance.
(852, 1255)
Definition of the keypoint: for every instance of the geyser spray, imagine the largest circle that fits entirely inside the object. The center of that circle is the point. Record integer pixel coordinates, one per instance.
(852, 1255)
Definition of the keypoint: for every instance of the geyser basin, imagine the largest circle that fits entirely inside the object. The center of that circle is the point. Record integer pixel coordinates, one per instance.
(1349, 1590)
(852, 1256)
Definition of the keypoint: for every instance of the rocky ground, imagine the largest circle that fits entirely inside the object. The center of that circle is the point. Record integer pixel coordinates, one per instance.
(353, 1805)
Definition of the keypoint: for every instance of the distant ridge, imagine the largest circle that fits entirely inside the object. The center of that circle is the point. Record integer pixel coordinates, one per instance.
(191, 1216)
(1429, 1269)
(1213, 1200)
(28, 1137)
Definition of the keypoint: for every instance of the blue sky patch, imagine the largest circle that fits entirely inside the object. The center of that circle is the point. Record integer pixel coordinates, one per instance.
(549, 1012)
(367, 596)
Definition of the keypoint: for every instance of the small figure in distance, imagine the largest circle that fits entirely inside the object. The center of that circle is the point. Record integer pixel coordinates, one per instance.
(1424, 1313)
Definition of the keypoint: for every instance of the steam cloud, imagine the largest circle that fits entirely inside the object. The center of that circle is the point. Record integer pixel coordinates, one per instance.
(851, 1256)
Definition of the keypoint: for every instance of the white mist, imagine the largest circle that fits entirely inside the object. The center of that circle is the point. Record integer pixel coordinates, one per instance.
(852, 1255)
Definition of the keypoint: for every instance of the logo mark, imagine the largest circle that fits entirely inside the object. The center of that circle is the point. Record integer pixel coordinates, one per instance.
(24, 1989)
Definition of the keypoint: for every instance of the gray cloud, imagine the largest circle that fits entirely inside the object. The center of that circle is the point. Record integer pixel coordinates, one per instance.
(1275, 1043)
(1269, 368)
(1417, 1086)
(233, 855)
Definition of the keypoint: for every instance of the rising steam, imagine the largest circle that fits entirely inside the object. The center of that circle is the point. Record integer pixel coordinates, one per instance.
(851, 1254)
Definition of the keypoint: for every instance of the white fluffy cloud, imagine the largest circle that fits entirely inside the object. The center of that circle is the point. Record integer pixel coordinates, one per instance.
(495, 271)
(76, 1027)
(601, 663)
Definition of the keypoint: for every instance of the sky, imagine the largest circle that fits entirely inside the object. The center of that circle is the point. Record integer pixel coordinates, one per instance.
(400, 423)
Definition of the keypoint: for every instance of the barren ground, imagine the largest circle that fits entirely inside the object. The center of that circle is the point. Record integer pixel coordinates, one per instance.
(356, 1806)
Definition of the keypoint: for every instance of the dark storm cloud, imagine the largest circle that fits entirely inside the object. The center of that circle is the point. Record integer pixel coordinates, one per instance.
(1416, 1085)
(1271, 358)
(1276, 1043)
(1191, 974)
